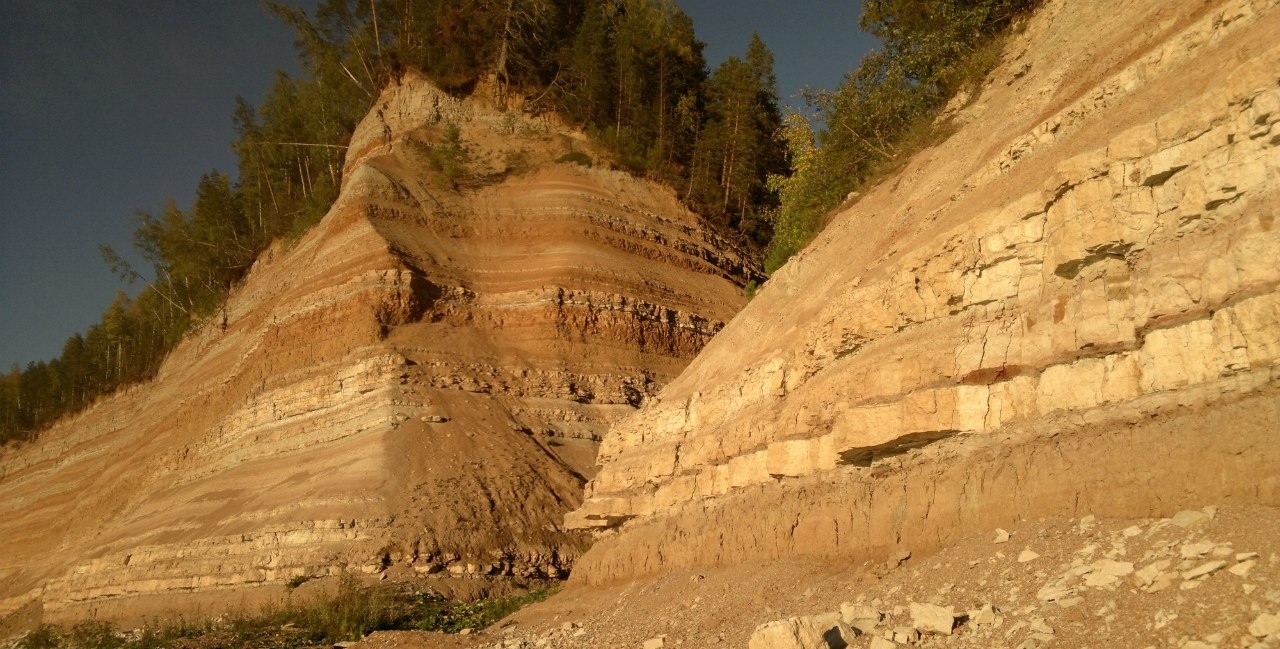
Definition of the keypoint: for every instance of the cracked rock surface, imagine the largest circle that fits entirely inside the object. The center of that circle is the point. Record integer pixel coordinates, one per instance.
(1075, 295)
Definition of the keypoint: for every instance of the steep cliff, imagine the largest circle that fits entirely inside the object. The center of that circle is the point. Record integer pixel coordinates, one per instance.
(1069, 306)
(416, 386)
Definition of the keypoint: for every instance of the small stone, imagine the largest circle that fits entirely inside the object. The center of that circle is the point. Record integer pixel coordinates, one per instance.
(1131, 531)
(1204, 570)
(1038, 625)
(1107, 572)
(1100, 580)
(569, 626)
(930, 618)
(1001, 536)
(1027, 555)
(862, 617)
(1070, 601)
(1113, 567)
(1054, 592)
(1196, 550)
(1147, 575)
(1189, 517)
(778, 634)
(1245, 556)
(1079, 571)
(1242, 569)
(905, 635)
(880, 643)
(829, 627)
(1162, 581)
(900, 557)
(984, 616)
(1265, 625)
(466, 632)
(1248, 588)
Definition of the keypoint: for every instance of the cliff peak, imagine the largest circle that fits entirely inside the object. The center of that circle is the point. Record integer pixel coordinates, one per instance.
(415, 387)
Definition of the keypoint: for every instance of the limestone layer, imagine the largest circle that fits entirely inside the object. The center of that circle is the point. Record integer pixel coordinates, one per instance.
(1095, 247)
(416, 386)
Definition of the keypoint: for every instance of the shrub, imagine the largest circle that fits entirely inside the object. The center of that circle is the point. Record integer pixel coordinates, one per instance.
(576, 157)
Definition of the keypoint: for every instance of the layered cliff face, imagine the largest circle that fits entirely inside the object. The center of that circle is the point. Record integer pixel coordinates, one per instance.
(417, 385)
(1069, 306)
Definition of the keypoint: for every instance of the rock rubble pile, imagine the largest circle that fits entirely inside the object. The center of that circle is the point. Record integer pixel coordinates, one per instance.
(1075, 593)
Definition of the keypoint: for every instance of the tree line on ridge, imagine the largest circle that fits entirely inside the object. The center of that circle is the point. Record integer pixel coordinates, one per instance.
(630, 72)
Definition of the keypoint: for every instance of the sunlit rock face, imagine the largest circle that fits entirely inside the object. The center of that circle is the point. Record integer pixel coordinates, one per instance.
(1071, 304)
(417, 386)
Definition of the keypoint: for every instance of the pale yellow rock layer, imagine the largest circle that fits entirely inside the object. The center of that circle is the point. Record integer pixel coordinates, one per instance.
(1026, 273)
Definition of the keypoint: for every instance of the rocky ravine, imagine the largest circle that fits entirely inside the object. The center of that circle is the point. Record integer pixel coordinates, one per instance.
(417, 386)
(1068, 307)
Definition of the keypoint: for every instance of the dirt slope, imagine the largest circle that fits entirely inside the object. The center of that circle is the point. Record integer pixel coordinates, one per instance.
(415, 387)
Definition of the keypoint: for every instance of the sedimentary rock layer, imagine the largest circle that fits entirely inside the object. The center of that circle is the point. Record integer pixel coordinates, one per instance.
(416, 385)
(1007, 327)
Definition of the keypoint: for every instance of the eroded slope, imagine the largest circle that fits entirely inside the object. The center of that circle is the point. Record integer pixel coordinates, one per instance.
(416, 386)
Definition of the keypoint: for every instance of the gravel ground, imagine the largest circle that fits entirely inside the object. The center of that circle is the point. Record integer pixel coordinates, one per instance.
(1196, 580)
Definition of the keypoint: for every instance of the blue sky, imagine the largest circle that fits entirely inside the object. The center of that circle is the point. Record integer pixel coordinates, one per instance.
(107, 108)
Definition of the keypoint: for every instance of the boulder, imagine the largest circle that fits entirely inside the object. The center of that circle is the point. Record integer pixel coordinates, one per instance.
(825, 631)
(931, 618)
(862, 617)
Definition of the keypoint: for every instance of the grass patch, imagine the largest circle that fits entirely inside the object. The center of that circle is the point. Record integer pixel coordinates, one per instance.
(355, 611)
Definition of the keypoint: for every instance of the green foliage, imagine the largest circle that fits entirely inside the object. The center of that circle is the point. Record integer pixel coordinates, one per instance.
(749, 291)
(738, 149)
(885, 109)
(94, 635)
(452, 617)
(634, 76)
(517, 163)
(449, 158)
(45, 637)
(354, 612)
(631, 72)
(576, 157)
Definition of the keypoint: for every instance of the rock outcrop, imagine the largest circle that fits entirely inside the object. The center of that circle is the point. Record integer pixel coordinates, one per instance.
(1069, 305)
(417, 385)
